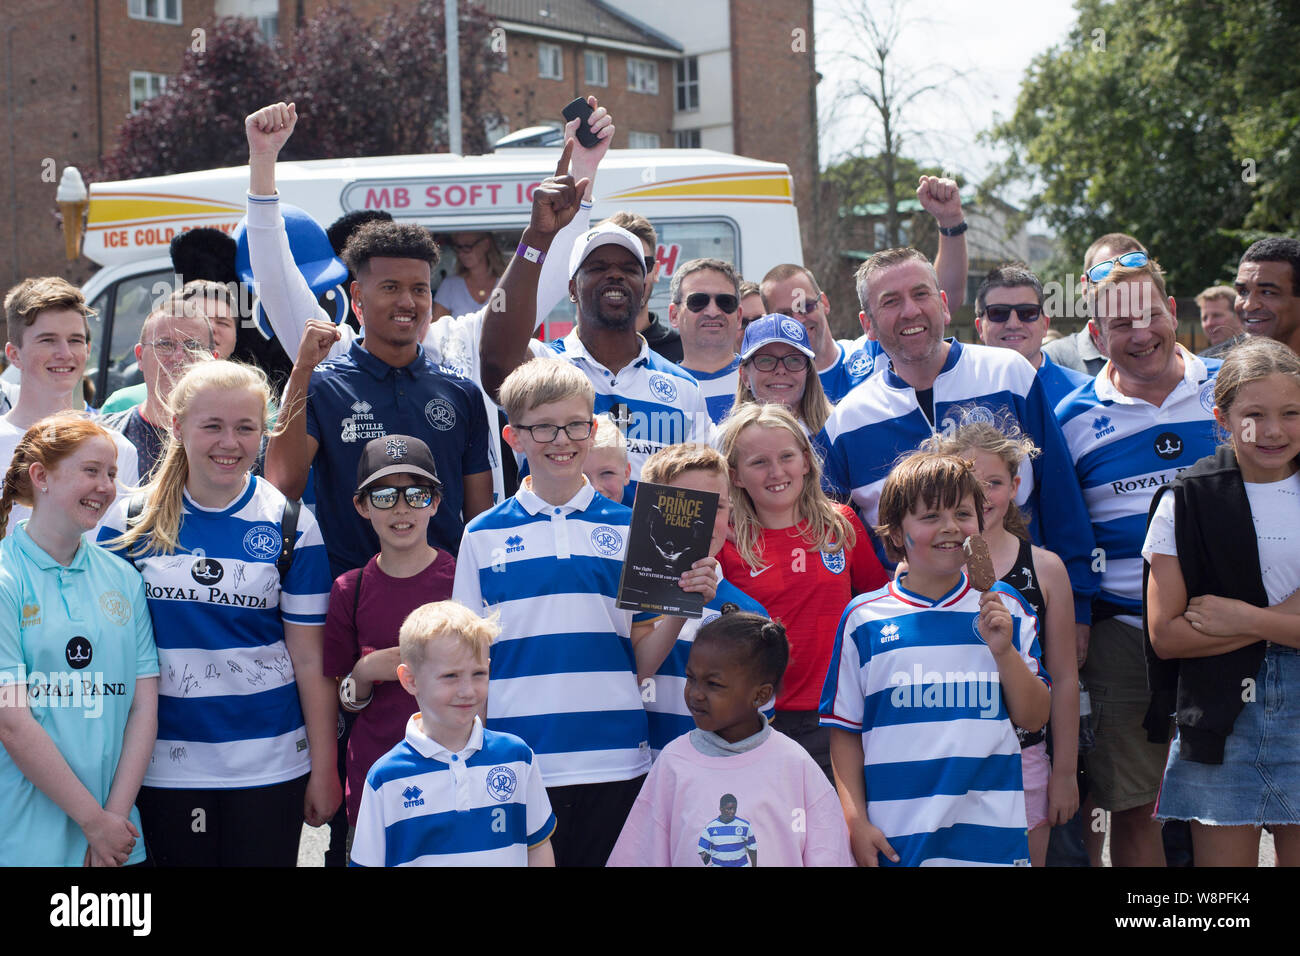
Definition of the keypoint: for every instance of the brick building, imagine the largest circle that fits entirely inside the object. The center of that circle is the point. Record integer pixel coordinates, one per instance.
(732, 75)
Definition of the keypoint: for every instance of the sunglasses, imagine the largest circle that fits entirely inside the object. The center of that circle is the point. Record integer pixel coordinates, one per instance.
(650, 264)
(794, 362)
(1025, 312)
(545, 434)
(417, 496)
(699, 301)
(1129, 260)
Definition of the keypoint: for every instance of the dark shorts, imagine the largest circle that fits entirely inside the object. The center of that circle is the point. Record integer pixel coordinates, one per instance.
(588, 819)
(254, 826)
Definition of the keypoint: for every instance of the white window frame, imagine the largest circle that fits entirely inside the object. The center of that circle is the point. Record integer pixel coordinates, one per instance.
(264, 22)
(590, 57)
(686, 134)
(140, 10)
(158, 80)
(682, 82)
(643, 76)
(546, 51)
(637, 140)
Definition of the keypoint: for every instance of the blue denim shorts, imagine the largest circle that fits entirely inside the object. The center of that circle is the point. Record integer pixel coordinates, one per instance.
(1258, 782)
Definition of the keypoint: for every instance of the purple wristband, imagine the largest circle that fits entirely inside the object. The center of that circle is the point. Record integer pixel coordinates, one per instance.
(530, 253)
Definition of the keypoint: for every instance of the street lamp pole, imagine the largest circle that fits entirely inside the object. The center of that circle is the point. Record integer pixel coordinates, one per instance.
(453, 75)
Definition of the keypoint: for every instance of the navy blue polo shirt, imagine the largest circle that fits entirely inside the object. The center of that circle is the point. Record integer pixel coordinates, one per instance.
(356, 397)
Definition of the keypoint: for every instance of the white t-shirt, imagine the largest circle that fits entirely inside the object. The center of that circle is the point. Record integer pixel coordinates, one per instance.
(128, 468)
(1275, 510)
(454, 296)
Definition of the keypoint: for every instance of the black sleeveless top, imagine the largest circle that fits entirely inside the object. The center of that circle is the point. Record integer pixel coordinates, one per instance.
(1023, 576)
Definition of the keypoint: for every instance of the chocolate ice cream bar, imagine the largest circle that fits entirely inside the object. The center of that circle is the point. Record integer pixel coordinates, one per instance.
(979, 563)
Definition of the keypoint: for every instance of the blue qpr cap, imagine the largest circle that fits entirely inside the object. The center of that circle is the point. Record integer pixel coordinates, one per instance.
(312, 253)
(767, 329)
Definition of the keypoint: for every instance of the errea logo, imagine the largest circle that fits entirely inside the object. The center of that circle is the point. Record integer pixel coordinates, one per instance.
(1102, 426)
(889, 633)
(414, 797)
(514, 544)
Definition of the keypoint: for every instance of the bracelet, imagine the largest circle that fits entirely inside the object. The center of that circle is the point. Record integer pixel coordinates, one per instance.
(956, 230)
(348, 695)
(530, 253)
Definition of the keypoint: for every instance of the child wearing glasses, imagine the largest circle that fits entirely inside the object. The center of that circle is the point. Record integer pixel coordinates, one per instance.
(398, 491)
(564, 670)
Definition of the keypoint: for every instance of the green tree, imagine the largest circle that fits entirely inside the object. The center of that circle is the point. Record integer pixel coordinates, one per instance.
(1141, 123)
(363, 88)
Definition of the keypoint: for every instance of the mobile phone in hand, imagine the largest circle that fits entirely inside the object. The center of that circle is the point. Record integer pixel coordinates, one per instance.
(580, 110)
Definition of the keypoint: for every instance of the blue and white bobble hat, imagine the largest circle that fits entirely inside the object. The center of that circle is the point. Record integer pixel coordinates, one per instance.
(767, 329)
(604, 235)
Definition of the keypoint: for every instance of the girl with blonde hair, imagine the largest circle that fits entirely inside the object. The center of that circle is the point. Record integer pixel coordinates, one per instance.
(238, 593)
(796, 552)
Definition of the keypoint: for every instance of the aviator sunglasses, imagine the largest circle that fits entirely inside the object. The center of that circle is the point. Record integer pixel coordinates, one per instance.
(417, 496)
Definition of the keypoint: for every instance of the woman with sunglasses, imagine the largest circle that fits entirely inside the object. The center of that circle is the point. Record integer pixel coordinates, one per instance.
(398, 491)
(478, 267)
(247, 719)
(775, 364)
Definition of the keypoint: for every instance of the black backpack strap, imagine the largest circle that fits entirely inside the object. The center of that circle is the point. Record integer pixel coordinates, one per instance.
(288, 532)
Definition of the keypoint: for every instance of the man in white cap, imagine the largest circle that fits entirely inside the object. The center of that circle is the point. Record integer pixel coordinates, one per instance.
(655, 402)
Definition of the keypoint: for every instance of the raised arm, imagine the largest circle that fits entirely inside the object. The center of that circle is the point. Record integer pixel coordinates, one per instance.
(504, 339)
(942, 199)
(286, 298)
(291, 449)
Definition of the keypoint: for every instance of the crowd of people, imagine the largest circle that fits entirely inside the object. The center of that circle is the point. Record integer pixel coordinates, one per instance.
(964, 604)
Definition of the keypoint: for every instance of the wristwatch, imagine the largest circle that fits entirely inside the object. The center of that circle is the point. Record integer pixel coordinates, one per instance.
(956, 230)
(348, 694)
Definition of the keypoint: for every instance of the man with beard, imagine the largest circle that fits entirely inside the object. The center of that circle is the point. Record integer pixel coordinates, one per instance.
(654, 402)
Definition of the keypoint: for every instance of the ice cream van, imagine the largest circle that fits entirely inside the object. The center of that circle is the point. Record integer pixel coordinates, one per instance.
(701, 202)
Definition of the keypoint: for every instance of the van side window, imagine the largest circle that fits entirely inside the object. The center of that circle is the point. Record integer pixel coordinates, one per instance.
(133, 300)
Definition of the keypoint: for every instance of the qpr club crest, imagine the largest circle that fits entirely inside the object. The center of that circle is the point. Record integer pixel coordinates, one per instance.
(263, 542)
(792, 329)
(663, 388)
(501, 783)
(859, 364)
(1206, 397)
(606, 540)
(440, 414)
(834, 561)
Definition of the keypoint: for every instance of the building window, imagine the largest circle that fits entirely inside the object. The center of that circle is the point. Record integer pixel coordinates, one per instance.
(642, 76)
(596, 68)
(270, 27)
(687, 138)
(550, 61)
(643, 140)
(688, 84)
(145, 86)
(164, 11)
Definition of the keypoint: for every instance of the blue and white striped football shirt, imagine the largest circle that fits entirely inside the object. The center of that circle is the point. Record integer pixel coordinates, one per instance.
(426, 806)
(718, 388)
(941, 758)
(666, 707)
(665, 404)
(1123, 449)
(728, 844)
(563, 672)
(228, 711)
(881, 419)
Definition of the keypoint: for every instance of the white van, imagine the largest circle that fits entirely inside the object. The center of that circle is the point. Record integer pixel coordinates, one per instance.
(701, 202)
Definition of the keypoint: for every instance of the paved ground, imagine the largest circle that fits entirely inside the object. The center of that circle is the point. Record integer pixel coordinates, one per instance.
(311, 852)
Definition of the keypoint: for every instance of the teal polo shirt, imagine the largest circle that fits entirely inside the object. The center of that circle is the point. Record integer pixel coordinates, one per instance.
(78, 638)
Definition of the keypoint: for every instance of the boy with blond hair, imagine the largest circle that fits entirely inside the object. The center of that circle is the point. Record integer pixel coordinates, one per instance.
(452, 793)
(548, 561)
(607, 466)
